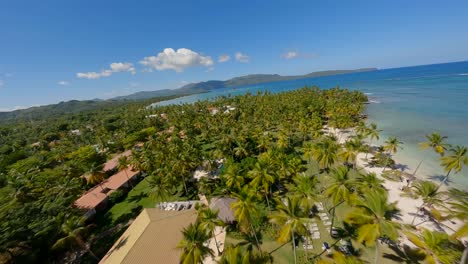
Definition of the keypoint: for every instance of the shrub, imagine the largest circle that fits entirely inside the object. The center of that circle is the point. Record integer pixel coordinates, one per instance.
(116, 196)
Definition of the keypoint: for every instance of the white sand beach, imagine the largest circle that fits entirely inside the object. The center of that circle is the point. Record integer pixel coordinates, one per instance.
(408, 206)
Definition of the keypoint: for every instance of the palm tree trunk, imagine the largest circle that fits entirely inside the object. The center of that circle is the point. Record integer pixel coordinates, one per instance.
(376, 258)
(294, 248)
(445, 179)
(255, 236)
(185, 185)
(268, 202)
(216, 241)
(416, 215)
(333, 219)
(386, 162)
(367, 152)
(417, 167)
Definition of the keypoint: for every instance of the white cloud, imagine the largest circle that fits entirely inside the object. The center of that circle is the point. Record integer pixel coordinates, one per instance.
(122, 67)
(114, 67)
(178, 60)
(210, 69)
(290, 55)
(224, 58)
(64, 83)
(2, 83)
(242, 57)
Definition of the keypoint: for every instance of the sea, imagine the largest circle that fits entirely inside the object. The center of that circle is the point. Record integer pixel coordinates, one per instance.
(408, 103)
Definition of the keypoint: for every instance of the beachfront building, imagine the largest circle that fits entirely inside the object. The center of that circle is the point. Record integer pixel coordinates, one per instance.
(152, 237)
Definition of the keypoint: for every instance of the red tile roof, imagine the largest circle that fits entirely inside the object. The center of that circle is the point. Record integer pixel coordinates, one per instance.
(112, 163)
(95, 196)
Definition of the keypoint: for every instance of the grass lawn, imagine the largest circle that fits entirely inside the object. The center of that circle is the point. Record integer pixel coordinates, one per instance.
(136, 197)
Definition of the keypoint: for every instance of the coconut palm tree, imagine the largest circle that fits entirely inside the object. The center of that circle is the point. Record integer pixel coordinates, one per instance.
(262, 178)
(340, 258)
(436, 142)
(159, 187)
(303, 187)
(373, 133)
(369, 181)
(436, 246)
(457, 158)
(96, 175)
(193, 245)
(209, 220)
(236, 255)
(392, 144)
(233, 177)
(73, 228)
(429, 193)
(325, 152)
(245, 209)
(123, 165)
(341, 189)
(350, 151)
(291, 217)
(372, 216)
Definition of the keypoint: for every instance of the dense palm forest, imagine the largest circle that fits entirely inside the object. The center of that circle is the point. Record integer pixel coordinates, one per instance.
(277, 163)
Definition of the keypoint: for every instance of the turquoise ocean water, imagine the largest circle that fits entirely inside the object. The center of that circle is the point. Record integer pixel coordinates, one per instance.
(406, 102)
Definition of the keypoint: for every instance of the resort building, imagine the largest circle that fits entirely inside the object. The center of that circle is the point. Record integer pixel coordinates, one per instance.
(114, 162)
(152, 238)
(96, 198)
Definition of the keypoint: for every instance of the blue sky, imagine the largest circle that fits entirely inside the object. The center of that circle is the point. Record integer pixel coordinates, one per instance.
(52, 51)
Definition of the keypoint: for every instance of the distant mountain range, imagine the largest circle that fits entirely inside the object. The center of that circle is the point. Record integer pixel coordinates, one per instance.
(202, 87)
(75, 106)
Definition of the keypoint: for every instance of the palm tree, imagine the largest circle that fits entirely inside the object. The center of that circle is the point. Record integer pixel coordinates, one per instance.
(96, 175)
(209, 220)
(372, 216)
(429, 193)
(325, 152)
(262, 179)
(123, 165)
(372, 133)
(392, 144)
(340, 258)
(303, 187)
(244, 209)
(236, 254)
(369, 181)
(74, 230)
(436, 142)
(232, 174)
(159, 187)
(193, 245)
(455, 161)
(341, 189)
(350, 151)
(436, 246)
(291, 217)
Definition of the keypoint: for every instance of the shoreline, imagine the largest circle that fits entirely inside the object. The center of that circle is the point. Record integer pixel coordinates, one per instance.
(408, 206)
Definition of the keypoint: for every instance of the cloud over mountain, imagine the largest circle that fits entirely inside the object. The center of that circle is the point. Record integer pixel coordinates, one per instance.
(179, 60)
